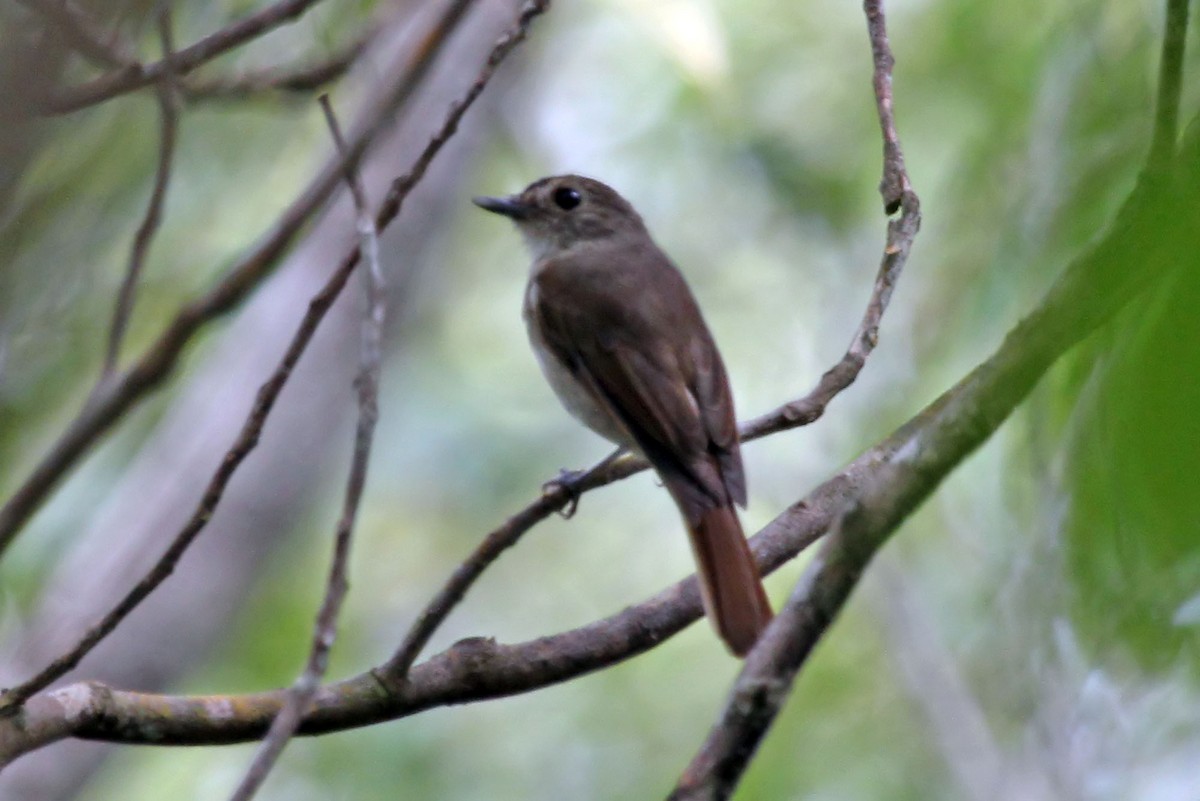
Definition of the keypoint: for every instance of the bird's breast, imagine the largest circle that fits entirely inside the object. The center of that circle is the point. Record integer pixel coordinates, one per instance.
(575, 396)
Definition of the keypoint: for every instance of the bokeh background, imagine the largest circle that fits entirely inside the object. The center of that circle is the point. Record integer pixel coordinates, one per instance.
(1031, 631)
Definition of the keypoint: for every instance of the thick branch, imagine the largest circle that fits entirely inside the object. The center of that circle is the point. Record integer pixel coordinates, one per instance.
(794, 414)
(1138, 250)
(900, 472)
(248, 437)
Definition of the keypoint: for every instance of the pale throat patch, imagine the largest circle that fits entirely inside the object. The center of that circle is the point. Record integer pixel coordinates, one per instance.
(540, 247)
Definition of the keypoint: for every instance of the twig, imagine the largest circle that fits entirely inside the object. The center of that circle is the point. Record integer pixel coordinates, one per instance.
(903, 469)
(293, 79)
(248, 437)
(1088, 294)
(135, 76)
(168, 132)
(770, 669)
(325, 630)
(1093, 288)
(81, 32)
(895, 185)
(897, 193)
(902, 475)
(246, 441)
(800, 412)
(464, 576)
(1170, 86)
(106, 405)
(794, 414)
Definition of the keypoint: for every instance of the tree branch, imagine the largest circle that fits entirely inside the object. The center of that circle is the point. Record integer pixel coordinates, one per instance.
(889, 480)
(248, 437)
(894, 184)
(168, 133)
(370, 361)
(107, 405)
(136, 75)
(803, 411)
(292, 79)
(1089, 293)
(81, 32)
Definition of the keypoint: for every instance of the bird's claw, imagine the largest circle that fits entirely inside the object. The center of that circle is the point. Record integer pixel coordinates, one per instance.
(567, 482)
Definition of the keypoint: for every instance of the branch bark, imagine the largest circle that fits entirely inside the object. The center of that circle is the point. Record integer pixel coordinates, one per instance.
(881, 486)
(367, 383)
(291, 80)
(126, 388)
(168, 133)
(257, 520)
(136, 75)
(248, 437)
(1088, 294)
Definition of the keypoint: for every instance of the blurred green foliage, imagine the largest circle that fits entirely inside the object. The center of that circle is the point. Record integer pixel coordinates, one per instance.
(1133, 535)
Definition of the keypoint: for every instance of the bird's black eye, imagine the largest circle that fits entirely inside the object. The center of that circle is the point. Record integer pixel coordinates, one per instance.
(567, 198)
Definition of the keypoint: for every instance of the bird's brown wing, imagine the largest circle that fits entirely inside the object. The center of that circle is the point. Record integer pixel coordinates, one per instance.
(639, 345)
(652, 360)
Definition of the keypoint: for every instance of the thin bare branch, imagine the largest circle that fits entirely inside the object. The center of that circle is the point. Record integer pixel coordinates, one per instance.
(248, 437)
(296, 80)
(110, 401)
(1090, 292)
(1170, 86)
(895, 184)
(878, 488)
(168, 133)
(82, 33)
(716, 770)
(300, 694)
(470, 569)
(557, 497)
(800, 412)
(135, 76)
(893, 477)
(246, 441)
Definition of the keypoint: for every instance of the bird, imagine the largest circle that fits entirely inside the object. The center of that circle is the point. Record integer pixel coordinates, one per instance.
(621, 340)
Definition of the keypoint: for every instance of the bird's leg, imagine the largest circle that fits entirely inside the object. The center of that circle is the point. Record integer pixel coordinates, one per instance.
(570, 481)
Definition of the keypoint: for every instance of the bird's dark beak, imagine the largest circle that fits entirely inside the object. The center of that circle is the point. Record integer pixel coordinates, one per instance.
(508, 206)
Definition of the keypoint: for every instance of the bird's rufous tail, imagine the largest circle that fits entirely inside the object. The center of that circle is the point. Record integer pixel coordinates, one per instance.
(733, 593)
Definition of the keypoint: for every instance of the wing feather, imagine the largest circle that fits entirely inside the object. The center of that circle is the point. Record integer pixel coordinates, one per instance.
(649, 355)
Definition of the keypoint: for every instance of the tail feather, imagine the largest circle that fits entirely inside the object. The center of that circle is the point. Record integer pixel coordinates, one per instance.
(733, 594)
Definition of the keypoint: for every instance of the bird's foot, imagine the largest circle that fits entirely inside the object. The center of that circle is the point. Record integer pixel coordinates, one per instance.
(568, 482)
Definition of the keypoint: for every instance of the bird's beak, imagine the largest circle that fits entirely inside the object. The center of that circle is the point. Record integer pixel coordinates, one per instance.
(508, 206)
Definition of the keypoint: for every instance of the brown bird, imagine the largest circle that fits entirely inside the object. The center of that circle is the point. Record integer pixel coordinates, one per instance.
(622, 342)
